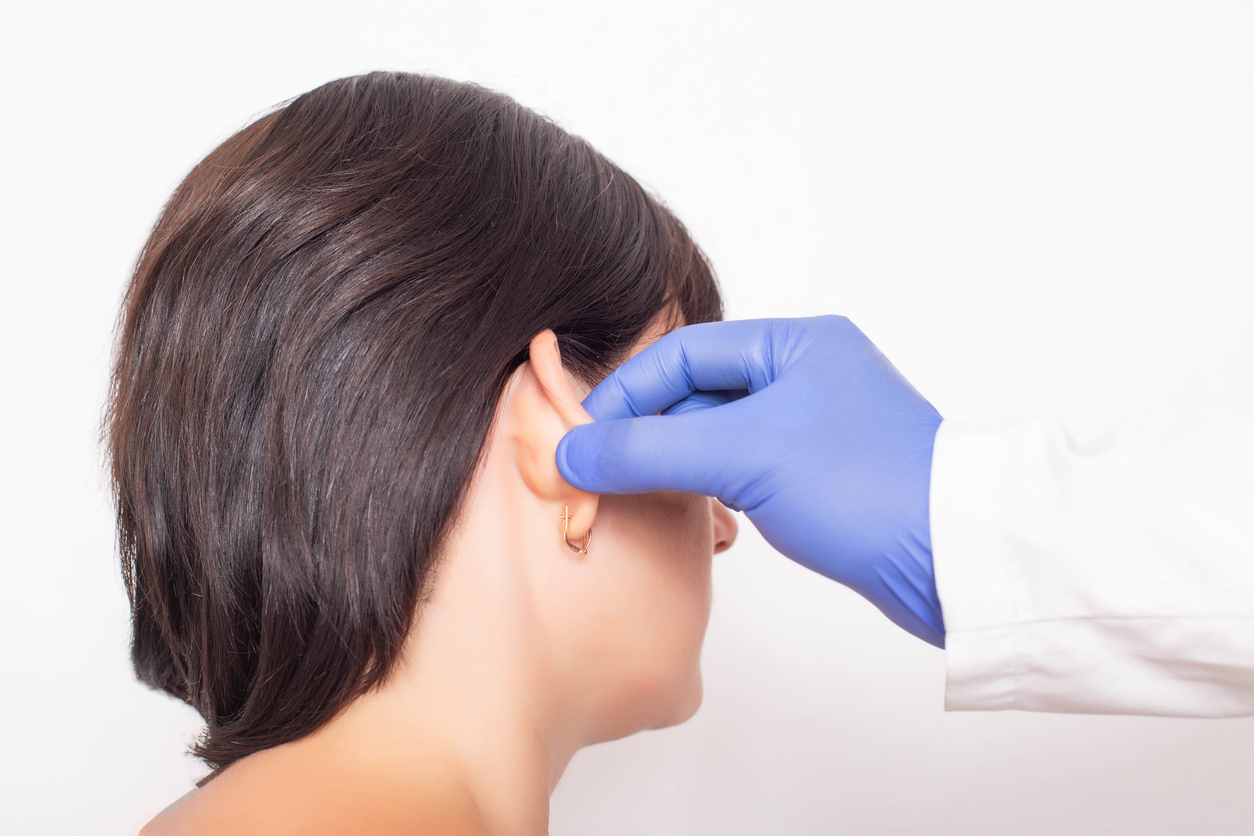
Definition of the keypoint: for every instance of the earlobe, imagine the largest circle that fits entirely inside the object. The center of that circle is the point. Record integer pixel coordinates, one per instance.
(544, 407)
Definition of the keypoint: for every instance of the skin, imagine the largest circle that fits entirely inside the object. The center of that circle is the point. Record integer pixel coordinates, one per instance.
(525, 652)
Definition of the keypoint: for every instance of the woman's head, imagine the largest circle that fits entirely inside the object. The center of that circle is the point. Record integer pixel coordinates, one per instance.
(310, 358)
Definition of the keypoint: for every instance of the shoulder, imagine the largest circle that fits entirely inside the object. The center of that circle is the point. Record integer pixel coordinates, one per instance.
(258, 799)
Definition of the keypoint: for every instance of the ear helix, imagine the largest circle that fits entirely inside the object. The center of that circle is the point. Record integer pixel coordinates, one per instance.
(566, 527)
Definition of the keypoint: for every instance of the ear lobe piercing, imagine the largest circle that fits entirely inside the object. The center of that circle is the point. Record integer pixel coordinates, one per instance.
(566, 527)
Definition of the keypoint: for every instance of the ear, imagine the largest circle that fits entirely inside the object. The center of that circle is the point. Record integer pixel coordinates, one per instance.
(543, 407)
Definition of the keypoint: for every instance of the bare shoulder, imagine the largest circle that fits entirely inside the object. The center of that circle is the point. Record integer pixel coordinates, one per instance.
(162, 823)
(273, 794)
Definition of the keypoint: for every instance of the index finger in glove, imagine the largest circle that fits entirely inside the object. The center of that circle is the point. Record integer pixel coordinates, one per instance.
(705, 357)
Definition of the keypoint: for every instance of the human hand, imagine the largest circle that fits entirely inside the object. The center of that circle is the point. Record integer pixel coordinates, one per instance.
(802, 424)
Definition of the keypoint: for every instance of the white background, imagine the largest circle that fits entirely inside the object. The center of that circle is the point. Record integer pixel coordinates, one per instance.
(1032, 211)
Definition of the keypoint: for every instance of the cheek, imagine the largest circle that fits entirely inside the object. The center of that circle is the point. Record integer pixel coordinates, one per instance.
(666, 542)
(656, 559)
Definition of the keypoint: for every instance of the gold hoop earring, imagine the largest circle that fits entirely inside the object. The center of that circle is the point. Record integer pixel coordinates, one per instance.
(566, 527)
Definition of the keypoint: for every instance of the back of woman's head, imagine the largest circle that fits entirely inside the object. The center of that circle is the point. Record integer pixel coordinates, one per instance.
(309, 358)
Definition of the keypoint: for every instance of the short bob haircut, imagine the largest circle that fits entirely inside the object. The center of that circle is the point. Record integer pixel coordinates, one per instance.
(308, 361)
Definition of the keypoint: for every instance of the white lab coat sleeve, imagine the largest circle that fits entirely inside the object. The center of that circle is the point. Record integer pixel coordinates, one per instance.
(1117, 578)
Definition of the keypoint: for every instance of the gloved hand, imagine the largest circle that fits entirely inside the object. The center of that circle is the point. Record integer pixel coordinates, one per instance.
(802, 424)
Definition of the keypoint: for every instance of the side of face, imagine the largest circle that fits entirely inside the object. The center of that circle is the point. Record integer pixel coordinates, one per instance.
(643, 603)
(625, 622)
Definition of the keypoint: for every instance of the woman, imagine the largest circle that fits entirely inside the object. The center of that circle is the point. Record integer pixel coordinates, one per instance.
(349, 350)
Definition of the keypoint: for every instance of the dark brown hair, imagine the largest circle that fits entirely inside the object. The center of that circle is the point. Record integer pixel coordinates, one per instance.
(309, 358)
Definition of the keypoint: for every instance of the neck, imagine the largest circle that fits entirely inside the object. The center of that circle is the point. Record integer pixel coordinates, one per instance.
(473, 707)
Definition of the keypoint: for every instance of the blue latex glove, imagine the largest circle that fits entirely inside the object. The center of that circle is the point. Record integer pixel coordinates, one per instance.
(802, 424)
